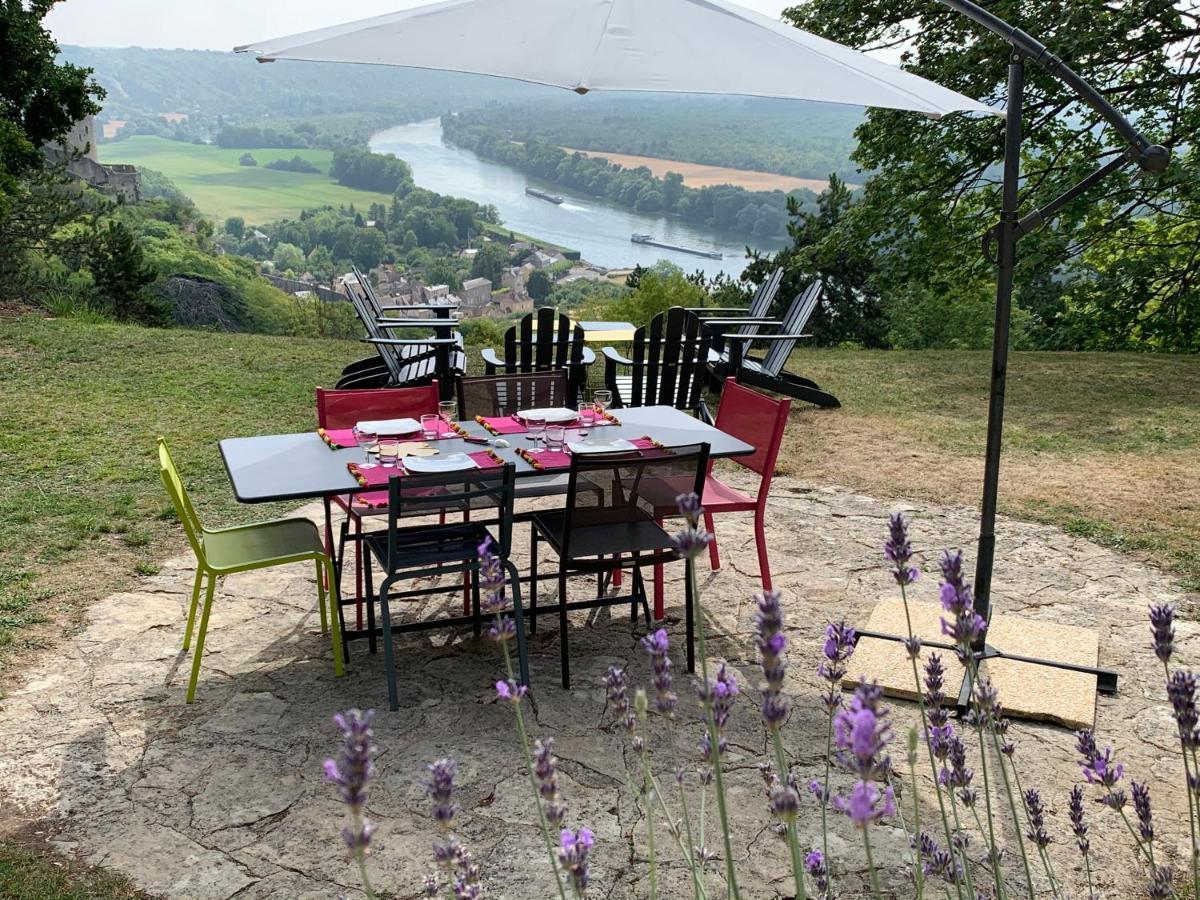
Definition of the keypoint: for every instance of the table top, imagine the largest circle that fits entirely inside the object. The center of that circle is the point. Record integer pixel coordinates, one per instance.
(301, 466)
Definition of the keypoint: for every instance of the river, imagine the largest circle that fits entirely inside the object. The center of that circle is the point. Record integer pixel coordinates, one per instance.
(595, 227)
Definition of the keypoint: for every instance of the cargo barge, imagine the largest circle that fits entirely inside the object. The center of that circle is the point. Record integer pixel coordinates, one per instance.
(542, 195)
(649, 240)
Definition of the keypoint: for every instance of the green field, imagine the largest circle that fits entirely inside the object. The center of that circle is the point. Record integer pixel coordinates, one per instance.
(221, 188)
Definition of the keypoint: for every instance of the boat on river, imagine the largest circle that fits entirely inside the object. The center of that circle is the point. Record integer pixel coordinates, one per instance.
(649, 240)
(542, 195)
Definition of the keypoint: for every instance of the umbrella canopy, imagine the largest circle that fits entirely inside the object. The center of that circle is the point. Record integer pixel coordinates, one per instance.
(678, 46)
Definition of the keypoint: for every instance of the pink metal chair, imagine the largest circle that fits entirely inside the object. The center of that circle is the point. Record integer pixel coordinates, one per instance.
(756, 419)
(344, 408)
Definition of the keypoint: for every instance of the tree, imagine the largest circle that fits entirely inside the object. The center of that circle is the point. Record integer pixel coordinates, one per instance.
(121, 275)
(936, 187)
(288, 257)
(538, 287)
(490, 262)
(247, 159)
(236, 226)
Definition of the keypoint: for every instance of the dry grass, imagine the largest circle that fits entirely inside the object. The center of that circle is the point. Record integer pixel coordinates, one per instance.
(698, 175)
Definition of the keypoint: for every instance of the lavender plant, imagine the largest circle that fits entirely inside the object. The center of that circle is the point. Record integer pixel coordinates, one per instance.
(352, 772)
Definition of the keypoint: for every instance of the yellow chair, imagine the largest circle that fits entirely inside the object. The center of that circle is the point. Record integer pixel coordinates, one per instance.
(224, 551)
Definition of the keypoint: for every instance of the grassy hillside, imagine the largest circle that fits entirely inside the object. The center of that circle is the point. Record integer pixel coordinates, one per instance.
(221, 187)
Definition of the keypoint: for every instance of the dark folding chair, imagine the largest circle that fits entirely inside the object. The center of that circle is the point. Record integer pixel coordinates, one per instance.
(667, 367)
(409, 552)
(767, 371)
(541, 341)
(598, 532)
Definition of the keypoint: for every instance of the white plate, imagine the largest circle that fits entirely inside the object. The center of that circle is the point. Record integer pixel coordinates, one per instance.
(614, 446)
(555, 416)
(451, 462)
(389, 426)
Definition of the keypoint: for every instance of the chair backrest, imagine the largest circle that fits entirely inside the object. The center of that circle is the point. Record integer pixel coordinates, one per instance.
(367, 292)
(760, 303)
(544, 339)
(478, 489)
(669, 356)
(192, 526)
(504, 395)
(343, 408)
(793, 323)
(634, 487)
(756, 419)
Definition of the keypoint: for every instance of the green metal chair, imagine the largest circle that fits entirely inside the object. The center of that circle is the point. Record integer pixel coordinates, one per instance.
(224, 551)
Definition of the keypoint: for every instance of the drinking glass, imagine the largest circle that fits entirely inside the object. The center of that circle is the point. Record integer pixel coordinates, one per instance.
(389, 454)
(448, 411)
(429, 426)
(537, 427)
(603, 400)
(365, 440)
(555, 435)
(587, 417)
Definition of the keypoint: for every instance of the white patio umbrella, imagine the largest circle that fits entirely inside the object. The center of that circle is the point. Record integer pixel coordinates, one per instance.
(679, 46)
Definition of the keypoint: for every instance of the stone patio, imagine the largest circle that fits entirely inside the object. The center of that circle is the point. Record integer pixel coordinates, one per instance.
(226, 797)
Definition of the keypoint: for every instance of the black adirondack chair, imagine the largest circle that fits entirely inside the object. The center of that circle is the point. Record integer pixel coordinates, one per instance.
(741, 321)
(542, 341)
(406, 361)
(767, 371)
(667, 364)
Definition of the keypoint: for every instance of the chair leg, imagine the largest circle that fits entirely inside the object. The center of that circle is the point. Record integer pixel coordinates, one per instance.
(477, 619)
(466, 576)
(562, 627)
(714, 555)
(638, 588)
(335, 608)
(322, 574)
(533, 579)
(389, 653)
(519, 617)
(199, 652)
(760, 541)
(639, 596)
(659, 611)
(689, 594)
(372, 644)
(191, 619)
(358, 572)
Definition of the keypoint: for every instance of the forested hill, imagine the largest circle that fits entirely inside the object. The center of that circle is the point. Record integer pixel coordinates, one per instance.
(806, 140)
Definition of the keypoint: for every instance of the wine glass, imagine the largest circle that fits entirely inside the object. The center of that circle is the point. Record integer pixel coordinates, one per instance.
(537, 428)
(366, 440)
(602, 399)
(448, 411)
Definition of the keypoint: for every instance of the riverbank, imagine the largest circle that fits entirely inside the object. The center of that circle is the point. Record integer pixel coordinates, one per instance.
(698, 175)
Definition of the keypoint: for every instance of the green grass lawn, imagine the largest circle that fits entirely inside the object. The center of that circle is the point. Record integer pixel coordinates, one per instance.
(220, 187)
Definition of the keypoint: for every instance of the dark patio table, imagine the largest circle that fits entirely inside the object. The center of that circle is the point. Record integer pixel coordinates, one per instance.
(301, 466)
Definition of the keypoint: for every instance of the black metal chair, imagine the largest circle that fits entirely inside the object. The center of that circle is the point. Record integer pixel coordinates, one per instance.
(599, 532)
(767, 371)
(543, 340)
(427, 550)
(667, 364)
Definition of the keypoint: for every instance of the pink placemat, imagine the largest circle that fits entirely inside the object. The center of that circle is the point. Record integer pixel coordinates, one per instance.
(337, 438)
(561, 459)
(502, 424)
(378, 476)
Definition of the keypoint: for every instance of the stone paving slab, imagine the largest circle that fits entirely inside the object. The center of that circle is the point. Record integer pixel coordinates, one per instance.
(225, 798)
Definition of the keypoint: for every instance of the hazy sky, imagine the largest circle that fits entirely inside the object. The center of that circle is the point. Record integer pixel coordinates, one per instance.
(222, 24)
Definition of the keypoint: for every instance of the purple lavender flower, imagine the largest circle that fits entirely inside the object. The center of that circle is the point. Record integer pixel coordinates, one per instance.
(861, 733)
(1181, 691)
(618, 697)
(491, 579)
(510, 691)
(898, 550)
(987, 706)
(1141, 806)
(1160, 886)
(352, 773)
(432, 885)
(866, 803)
(657, 645)
(772, 644)
(818, 790)
(545, 769)
(573, 850)
(504, 629)
(958, 600)
(440, 788)
(935, 860)
(1078, 825)
(1037, 819)
(814, 865)
(912, 646)
(1100, 768)
(1162, 630)
(955, 775)
(783, 798)
(692, 540)
(840, 640)
(719, 695)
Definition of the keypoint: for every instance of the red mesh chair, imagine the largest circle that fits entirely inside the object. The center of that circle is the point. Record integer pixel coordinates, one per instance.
(756, 419)
(344, 408)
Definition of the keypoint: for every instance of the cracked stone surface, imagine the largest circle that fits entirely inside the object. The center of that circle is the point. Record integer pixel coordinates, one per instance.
(226, 798)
